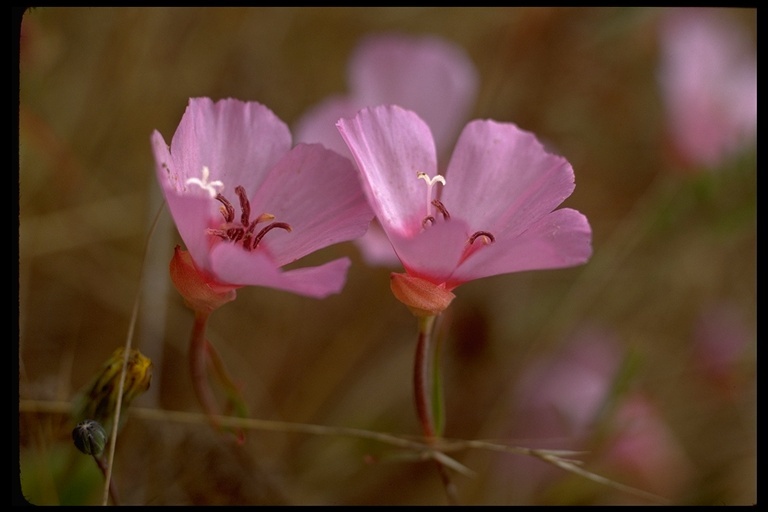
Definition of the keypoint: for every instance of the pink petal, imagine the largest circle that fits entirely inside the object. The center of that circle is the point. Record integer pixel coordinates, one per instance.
(193, 217)
(318, 193)
(319, 123)
(435, 252)
(376, 248)
(191, 212)
(165, 169)
(500, 179)
(428, 75)
(559, 239)
(391, 145)
(238, 141)
(236, 266)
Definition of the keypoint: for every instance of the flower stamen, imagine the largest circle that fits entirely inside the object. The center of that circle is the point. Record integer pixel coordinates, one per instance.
(249, 232)
(441, 208)
(227, 210)
(281, 225)
(488, 238)
(243, 232)
(245, 205)
(470, 249)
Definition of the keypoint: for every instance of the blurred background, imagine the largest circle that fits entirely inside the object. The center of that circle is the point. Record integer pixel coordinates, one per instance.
(644, 358)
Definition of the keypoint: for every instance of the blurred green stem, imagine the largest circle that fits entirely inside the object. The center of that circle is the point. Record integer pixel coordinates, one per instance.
(438, 411)
(424, 395)
(421, 377)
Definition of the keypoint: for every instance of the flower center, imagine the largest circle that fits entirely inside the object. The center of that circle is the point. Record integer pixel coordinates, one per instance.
(485, 236)
(244, 231)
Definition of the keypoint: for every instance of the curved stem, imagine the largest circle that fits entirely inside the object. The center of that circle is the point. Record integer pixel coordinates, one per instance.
(234, 399)
(198, 360)
(201, 353)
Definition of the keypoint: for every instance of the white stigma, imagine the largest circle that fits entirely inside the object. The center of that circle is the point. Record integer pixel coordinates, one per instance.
(430, 183)
(208, 186)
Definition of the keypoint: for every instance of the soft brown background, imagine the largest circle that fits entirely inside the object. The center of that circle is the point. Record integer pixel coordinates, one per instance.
(95, 82)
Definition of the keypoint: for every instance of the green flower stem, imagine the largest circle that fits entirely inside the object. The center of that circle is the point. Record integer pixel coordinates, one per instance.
(421, 377)
(425, 396)
(438, 409)
(235, 400)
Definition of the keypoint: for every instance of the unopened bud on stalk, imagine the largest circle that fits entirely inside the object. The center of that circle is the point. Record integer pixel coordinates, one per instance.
(90, 437)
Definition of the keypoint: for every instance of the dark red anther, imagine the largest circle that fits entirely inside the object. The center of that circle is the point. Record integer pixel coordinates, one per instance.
(260, 235)
(228, 211)
(245, 206)
(244, 232)
(478, 234)
(441, 207)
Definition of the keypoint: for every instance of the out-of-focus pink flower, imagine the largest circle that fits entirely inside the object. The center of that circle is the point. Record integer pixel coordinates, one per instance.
(708, 78)
(493, 213)
(558, 401)
(431, 76)
(246, 203)
(642, 448)
(721, 338)
(575, 400)
(560, 397)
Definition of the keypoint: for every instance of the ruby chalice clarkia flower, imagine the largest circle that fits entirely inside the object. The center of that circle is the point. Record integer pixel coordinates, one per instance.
(246, 203)
(493, 212)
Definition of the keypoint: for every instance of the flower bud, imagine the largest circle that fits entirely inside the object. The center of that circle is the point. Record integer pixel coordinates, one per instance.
(422, 297)
(90, 437)
(97, 401)
(199, 292)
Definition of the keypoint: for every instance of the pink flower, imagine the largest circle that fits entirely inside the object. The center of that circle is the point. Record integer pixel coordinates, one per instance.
(708, 78)
(722, 344)
(558, 401)
(493, 212)
(429, 75)
(246, 203)
(642, 447)
(560, 396)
